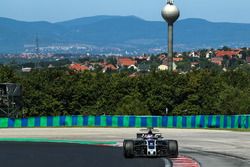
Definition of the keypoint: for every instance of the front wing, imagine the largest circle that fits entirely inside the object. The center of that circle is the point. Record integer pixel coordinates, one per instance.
(140, 148)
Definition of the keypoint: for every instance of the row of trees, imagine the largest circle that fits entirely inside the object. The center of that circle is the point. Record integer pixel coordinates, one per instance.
(63, 92)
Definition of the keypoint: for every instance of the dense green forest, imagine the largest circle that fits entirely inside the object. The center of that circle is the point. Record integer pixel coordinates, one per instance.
(60, 91)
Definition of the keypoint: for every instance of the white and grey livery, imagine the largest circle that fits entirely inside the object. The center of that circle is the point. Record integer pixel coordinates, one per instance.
(150, 144)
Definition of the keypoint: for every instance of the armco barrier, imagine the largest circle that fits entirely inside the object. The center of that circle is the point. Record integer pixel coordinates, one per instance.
(197, 121)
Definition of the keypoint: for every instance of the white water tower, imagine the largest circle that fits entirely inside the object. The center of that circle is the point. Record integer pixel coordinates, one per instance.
(170, 13)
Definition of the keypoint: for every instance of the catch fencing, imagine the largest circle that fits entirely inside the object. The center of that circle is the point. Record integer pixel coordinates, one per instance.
(196, 121)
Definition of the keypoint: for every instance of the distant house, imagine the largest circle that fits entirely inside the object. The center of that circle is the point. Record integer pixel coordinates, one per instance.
(133, 67)
(217, 60)
(165, 67)
(26, 69)
(91, 67)
(229, 53)
(162, 67)
(141, 59)
(194, 54)
(209, 54)
(248, 60)
(126, 62)
(195, 64)
(177, 59)
(78, 67)
(179, 55)
(108, 67)
(50, 66)
(162, 57)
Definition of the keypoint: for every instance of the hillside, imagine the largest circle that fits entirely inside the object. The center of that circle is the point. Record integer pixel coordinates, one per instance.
(124, 32)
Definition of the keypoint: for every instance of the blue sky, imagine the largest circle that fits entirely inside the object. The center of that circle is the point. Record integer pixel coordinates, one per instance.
(60, 10)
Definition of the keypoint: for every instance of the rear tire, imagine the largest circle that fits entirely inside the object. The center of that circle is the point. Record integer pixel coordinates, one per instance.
(128, 148)
(173, 148)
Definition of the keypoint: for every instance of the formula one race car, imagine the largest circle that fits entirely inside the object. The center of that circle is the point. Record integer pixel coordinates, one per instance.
(150, 144)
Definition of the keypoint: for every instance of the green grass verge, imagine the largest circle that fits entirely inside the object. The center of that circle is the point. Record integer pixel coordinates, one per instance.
(38, 140)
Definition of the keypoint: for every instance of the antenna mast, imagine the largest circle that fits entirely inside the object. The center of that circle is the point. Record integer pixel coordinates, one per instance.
(37, 53)
(37, 45)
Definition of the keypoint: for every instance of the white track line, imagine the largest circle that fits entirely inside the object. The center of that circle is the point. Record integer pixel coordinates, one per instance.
(167, 162)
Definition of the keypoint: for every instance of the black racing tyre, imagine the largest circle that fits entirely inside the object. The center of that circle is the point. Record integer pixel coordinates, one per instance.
(173, 148)
(128, 148)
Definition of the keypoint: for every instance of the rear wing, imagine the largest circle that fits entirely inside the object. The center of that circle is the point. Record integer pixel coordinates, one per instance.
(143, 135)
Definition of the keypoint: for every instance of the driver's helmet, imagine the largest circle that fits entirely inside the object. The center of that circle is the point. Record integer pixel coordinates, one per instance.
(150, 134)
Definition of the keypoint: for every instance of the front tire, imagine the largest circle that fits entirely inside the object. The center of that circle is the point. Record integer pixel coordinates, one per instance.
(173, 148)
(128, 148)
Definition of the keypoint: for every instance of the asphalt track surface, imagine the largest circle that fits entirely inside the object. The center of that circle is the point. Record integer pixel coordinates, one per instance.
(26, 154)
(212, 148)
(21, 154)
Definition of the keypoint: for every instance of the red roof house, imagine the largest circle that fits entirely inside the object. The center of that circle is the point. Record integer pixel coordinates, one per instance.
(109, 67)
(177, 59)
(230, 53)
(78, 67)
(125, 62)
(217, 60)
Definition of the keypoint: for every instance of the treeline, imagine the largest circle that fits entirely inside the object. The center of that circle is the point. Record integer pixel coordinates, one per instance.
(63, 92)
